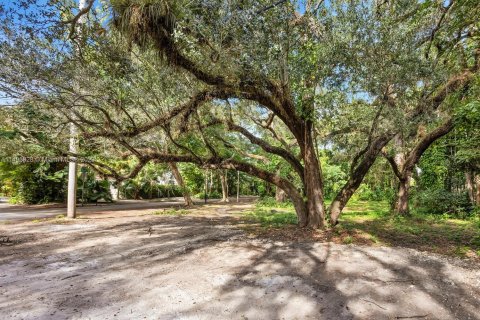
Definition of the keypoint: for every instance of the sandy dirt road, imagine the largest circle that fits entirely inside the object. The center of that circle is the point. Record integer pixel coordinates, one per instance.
(12, 213)
(203, 266)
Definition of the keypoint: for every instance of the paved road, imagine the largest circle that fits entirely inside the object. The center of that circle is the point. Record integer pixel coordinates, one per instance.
(10, 212)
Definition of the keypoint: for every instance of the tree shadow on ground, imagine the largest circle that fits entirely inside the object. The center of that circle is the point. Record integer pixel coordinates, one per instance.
(205, 267)
(440, 237)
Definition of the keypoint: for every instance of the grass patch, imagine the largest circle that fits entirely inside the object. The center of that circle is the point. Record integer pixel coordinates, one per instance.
(269, 217)
(434, 233)
(370, 222)
(58, 219)
(347, 240)
(269, 202)
(171, 212)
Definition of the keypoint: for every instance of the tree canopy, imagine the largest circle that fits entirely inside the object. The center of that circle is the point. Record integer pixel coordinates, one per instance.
(268, 88)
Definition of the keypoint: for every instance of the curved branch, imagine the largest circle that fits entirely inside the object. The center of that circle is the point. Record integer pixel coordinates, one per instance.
(95, 165)
(290, 158)
(188, 107)
(423, 145)
(138, 23)
(393, 164)
(74, 20)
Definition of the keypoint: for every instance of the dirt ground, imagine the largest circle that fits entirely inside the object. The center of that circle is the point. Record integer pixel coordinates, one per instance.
(135, 265)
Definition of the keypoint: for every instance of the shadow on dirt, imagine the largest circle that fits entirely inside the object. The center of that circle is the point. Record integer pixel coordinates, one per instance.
(163, 267)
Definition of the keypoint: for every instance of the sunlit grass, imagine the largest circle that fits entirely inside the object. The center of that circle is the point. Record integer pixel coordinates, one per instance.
(58, 219)
(370, 222)
(272, 217)
(438, 233)
(171, 212)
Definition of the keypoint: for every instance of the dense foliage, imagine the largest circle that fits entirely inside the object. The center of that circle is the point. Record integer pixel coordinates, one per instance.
(321, 99)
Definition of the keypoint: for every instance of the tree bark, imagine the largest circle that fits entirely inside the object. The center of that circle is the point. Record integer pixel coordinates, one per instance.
(470, 186)
(205, 187)
(178, 177)
(210, 186)
(356, 176)
(279, 195)
(292, 192)
(401, 203)
(313, 183)
(477, 187)
(298, 204)
(223, 181)
(412, 159)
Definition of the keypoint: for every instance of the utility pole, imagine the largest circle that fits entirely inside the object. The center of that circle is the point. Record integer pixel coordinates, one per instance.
(206, 186)
(73, 148)
(72, 175)
(238, 186)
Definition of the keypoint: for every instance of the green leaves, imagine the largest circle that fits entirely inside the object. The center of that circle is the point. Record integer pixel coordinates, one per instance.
(469, 114)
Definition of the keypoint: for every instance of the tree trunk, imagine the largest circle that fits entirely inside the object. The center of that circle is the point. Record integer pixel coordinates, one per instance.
(470, 186)
(313, 184)
(342, 198)
(347, 191)
(179, 179)
(238, 186)
(401, 203)
(223, 181)
(298, 204)
(205, 187)
(292, 192)
(280, 195)
(477, 187)
(210, 186)
(356, 177)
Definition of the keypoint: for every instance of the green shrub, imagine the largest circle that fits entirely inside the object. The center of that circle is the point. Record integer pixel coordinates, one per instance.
(443, 202)
(93, 190)
(131, 189)
(34, 183)
(272, 218)
(211, 195)
(368, 193)
(272, 203)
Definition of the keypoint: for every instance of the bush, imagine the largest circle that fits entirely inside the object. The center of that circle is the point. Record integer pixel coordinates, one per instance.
(164, 191)
(34, 183)
(367, 193)
(272, 218)
(211, 195)
(271, 202)
(93, 191)
(441, 202)
(133, 190)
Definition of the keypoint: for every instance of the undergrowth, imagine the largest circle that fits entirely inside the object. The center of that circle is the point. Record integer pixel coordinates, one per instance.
(370, 222)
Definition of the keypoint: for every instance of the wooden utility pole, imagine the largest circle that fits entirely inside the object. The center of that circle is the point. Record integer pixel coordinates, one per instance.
(73, 148)
(206, 186)
(238, 186)
(72, 175)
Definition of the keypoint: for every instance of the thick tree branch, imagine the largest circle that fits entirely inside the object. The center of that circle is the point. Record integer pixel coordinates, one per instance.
(415, 154)
(393, 164)
(243, 153)
(189, 107)
(287, 156)
(74, 20)
(159, 28)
